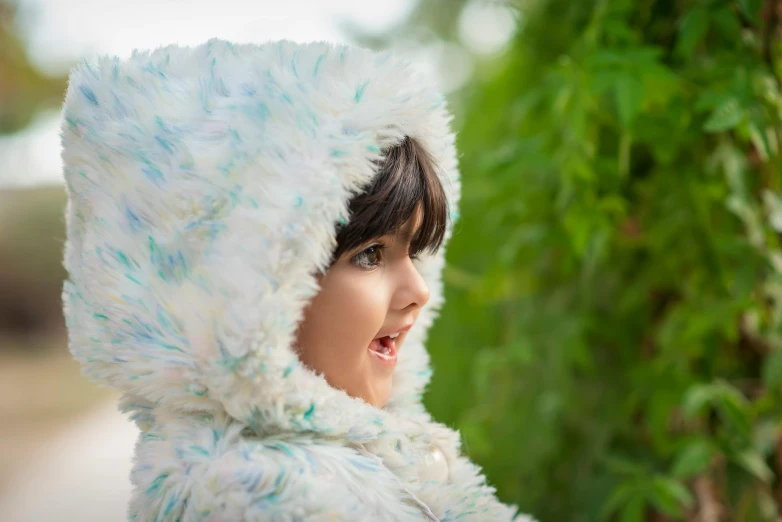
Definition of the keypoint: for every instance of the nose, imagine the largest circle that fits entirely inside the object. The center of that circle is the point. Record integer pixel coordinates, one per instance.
(411, 288)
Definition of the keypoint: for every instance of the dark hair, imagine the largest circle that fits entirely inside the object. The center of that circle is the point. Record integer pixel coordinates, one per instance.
(407, 177)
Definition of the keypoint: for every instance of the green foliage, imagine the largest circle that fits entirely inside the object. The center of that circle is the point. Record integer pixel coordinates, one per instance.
(614, 298)
(24, 90)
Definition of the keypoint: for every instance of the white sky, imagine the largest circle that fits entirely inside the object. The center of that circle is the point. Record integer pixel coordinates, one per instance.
(60, 31)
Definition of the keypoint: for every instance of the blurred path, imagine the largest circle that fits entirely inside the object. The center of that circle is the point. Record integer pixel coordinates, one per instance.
(81, 474)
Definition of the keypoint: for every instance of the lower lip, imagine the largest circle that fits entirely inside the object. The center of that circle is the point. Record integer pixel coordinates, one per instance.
(388, 360)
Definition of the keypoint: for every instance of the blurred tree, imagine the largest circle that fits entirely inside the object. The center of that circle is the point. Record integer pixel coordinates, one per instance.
(439, 17)
(31, 224)
(614, 294)
(23, 89)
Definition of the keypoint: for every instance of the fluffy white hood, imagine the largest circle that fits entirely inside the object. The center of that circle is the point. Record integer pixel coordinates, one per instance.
(205, 185)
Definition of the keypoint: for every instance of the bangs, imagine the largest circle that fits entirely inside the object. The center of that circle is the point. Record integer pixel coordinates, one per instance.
(407, 178)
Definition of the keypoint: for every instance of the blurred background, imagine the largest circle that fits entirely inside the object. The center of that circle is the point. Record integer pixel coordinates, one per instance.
(614, 288)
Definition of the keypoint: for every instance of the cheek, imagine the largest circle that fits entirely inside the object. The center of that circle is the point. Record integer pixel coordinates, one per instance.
(355, 309)
(341, 320)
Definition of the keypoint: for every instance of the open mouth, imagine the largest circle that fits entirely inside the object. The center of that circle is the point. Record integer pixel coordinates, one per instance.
(384, 348)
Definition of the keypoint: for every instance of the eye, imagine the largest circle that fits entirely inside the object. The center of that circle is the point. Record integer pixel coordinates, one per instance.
(370, 257)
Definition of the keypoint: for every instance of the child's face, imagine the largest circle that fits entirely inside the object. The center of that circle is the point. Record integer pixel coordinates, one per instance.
(364, 294)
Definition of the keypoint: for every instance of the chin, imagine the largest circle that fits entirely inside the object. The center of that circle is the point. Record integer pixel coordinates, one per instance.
(381, 399)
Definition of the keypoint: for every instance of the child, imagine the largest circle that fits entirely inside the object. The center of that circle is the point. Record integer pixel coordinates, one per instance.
(255, 246)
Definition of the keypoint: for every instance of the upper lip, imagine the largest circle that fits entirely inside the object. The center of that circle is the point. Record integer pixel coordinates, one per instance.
(395, 330)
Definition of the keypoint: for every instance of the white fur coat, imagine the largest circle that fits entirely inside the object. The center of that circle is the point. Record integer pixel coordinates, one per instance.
(204, 188)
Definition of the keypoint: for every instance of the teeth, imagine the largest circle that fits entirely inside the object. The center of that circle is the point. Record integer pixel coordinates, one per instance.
(394, 336)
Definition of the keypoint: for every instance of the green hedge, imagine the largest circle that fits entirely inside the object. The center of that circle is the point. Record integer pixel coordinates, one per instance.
(611, 347)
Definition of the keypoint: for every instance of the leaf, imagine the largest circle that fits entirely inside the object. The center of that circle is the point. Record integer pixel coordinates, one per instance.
(696, 398)
(760, 140)
(633, 511)
(753, 462)
(726, 116)
(729, 402)
(751, 9)
(718, 394)
(691, 31)
(660, 84)
(670, 496)
(607, 58)
(735, 413)
(693, 458)
(623, 494)
(602, 80)
(629, 94)
(773, 203)
(772, 370)
(622, 466)
(727, 23)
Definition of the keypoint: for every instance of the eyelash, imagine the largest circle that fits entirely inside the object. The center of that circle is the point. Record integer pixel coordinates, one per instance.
(379, 247)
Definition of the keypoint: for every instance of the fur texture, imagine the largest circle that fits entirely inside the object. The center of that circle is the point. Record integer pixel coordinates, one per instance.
(204, 185)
